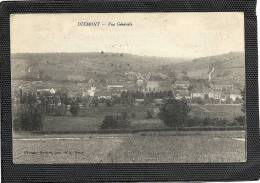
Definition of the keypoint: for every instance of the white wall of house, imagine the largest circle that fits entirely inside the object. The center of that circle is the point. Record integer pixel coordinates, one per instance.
(198, 95)
(235, 96)
(214, 95)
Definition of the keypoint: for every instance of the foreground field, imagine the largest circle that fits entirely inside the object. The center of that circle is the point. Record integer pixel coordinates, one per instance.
(175, 147)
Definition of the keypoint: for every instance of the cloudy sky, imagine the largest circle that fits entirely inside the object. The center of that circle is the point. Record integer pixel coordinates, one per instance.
(154, 34)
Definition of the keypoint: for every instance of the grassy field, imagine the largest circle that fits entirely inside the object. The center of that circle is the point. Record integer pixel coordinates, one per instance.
(85, 124)
(91, 119)
(140, 111)
(71, 124)
(190, 147)
(228, 112)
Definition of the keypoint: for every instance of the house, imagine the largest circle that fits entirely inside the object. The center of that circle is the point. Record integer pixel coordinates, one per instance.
(46, 91)
(157, 86)
(166, 86)
(131, 75)
(181, 84)
(234, 97)
(153, 86)
(197, 95)
(179, 97)
(139, 101)
(158, 101)
(90, 92)
(115, 89)
(52, 91)
(83, 86)
(182, 94)
(222, 85)
(223, 99)
(103, 94)
(104, 97)
(207, 93)
(214, 94)
(36, 82)
(118, 87)
(140, 84)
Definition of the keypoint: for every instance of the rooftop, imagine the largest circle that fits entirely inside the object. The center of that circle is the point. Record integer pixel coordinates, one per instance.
(182, 82)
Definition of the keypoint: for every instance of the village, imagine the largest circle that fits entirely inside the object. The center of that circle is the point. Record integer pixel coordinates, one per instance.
(139, 87)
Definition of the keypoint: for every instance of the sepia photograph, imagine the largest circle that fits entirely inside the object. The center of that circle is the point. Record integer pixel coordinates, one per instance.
(164, 87)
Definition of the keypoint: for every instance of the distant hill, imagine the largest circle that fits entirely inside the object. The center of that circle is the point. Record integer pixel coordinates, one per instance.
(227, 67)
(61, 66)
(101, 66)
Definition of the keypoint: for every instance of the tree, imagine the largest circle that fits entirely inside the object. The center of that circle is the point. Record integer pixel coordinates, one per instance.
(29, 118)
(174, 112)
(184, 72)
(242, 119)
(119, 122)
(108, 102)
(148, 99)
(198, 100)
(109, 123)
(169, 93)
(243, 105)
(149, 114)
(228, 100)
(74, 109)
(95, 101)
(172, 74)
(191, 87)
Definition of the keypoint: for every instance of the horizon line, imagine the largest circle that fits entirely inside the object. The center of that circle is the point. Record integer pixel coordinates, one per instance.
(100, 52)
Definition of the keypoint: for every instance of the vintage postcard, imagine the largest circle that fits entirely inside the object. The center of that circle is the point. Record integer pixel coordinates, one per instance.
(128, 87)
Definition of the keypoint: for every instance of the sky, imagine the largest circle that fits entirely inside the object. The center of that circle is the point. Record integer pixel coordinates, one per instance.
(189, 35)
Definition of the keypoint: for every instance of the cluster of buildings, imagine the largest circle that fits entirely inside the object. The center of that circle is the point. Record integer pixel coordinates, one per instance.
(146, 84)
(219, 92)
(180, 89)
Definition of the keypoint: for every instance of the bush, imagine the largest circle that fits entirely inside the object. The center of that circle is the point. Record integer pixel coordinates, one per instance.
(74, 109)
(199, 101)
(95, 101)
(111, 123)
(241, 120)
(60, 110)
(208, 122)
(108, 102)
(149, 114)
(124, 115)
(222, 122)
(29, 118)
(191, 122)
(133, 115)
(174, 113)
(234, 123)
(123, 124)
